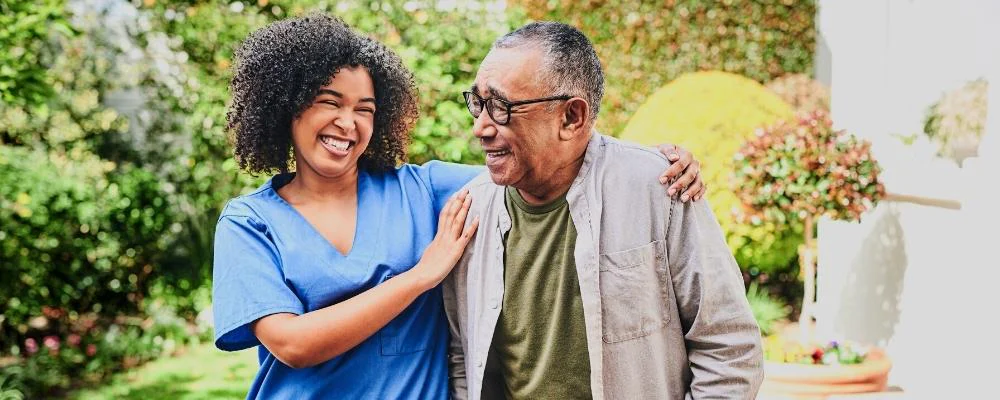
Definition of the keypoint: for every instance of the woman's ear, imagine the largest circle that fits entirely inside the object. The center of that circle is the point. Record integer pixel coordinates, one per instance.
(574, 118)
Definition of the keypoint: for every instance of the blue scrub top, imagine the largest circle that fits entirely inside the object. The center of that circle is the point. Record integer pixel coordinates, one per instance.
(269, 259)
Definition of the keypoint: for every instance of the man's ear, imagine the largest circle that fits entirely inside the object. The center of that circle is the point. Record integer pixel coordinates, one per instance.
(575, 115)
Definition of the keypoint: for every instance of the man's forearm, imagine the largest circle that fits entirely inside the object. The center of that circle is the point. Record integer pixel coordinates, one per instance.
(722, 337)
(726, 361)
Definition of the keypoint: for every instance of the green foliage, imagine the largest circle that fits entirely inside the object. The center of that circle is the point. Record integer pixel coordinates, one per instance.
(91, 350)
(644, 44)
(793, 171)
(84, 225)
(76, 236)
(11, 382)
(712, 114)
(957, 121)
(767, 310)
(75, 118)
(196, 161)
(25, 26)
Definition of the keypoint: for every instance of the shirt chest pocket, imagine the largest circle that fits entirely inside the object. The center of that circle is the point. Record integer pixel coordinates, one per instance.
(635, 292)
(413, 329)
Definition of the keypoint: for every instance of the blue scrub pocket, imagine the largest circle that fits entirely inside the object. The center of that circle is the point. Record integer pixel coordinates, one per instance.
(412, 330)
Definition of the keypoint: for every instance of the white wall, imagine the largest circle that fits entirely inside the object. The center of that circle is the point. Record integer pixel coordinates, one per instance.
(920, 281)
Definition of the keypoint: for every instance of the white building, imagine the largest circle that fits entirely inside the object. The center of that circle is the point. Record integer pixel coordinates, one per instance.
(920, 280)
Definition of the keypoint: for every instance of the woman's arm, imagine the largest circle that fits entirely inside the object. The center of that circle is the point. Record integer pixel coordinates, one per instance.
(305, 340)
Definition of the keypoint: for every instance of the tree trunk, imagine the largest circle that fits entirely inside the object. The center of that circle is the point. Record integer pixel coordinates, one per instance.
(807, 267)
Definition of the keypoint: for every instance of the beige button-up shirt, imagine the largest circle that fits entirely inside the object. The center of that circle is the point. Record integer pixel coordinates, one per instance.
(663, 298)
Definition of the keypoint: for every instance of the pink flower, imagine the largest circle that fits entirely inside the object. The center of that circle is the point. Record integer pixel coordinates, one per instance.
(73, 340)
(91, 350)
(31, 345)
(51, 342)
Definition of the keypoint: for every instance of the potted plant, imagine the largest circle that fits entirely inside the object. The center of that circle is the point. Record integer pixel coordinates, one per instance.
(798, 172)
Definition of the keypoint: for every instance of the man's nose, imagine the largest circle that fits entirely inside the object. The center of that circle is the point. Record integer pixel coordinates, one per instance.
(483, 126)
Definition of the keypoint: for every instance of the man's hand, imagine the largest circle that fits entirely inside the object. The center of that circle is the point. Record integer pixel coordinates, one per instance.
(689, 184)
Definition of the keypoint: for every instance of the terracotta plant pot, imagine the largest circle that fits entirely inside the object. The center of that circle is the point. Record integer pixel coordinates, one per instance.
(806, 381)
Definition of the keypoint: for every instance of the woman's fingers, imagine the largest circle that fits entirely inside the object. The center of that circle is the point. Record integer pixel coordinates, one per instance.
(463, 211)
(448, 213)
(693, 191)
(469, 231)
(680, 186)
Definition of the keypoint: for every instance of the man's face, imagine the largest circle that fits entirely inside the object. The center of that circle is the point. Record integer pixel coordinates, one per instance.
(520, 153)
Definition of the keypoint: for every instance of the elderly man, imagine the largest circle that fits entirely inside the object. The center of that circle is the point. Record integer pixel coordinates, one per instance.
(584, 281)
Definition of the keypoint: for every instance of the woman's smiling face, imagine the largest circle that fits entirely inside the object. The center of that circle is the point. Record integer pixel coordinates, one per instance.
(332, 133)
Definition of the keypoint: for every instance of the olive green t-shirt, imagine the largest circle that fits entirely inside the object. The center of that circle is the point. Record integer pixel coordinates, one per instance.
(539, 348)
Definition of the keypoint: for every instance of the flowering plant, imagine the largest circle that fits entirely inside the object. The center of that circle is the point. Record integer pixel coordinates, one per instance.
(833, 353)
(806, 169)
(801, 171)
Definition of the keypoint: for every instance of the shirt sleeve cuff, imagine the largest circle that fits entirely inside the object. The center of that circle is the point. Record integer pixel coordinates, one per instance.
(237, 335)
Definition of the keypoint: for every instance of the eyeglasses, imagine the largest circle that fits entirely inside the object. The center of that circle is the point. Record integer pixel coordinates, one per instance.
(499, 110)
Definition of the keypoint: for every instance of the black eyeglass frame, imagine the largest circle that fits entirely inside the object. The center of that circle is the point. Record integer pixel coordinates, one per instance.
(486, 104)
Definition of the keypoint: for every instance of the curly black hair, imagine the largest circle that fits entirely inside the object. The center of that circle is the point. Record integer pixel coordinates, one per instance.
(279, 70)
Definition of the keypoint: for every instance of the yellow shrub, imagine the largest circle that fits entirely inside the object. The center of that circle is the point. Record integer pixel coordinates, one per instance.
(712, 114)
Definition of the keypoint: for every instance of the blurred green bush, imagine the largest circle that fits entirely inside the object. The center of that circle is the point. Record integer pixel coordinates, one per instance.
(83, 225)
(91, 350)
(645, 44)
(77, 235)
(25, 26)
(768, 311)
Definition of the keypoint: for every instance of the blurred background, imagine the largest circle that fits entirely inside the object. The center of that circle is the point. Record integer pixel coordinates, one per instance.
(848, 148)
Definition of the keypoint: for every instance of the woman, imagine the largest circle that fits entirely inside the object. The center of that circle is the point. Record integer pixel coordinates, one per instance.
(332, 270)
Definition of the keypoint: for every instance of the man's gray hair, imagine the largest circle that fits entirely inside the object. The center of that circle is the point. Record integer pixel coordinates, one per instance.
(569, 62)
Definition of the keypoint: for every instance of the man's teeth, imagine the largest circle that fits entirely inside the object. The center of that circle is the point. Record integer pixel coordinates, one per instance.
(497, 153)
(339, 144)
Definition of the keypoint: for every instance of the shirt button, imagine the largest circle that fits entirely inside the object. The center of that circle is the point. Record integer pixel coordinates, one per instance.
(479, 364)
(494, 304)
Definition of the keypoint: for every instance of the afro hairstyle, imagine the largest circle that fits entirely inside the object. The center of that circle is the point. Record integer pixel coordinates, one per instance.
(278, 71)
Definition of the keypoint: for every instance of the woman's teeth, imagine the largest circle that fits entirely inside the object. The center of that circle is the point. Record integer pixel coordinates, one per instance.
(336, 143)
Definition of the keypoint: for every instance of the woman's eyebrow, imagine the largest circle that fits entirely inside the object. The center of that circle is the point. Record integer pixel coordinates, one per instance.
(337, 94)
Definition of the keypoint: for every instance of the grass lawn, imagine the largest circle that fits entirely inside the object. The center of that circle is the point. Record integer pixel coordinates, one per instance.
(201, 373)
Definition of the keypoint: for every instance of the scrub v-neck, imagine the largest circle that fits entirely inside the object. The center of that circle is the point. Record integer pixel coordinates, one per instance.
(363, 218)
